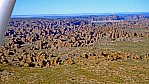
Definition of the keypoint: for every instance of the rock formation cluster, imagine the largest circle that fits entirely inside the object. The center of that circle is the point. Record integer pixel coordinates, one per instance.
(30, 41)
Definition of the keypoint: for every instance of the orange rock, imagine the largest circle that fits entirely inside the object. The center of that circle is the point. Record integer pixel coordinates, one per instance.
(70, 61)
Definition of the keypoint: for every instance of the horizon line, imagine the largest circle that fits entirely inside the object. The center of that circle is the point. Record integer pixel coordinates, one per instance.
(80, 13)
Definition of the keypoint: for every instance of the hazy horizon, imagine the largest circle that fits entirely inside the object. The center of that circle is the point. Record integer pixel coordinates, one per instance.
(71, 14)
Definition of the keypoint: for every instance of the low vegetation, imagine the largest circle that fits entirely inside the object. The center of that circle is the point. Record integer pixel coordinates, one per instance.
(75, 50)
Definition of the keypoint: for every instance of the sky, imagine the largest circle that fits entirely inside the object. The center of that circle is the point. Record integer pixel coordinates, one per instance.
(36, 7)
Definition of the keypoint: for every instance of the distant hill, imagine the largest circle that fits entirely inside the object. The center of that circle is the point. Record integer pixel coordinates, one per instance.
(79, 14)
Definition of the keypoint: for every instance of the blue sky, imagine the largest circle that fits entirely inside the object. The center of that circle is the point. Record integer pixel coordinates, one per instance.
(35, 7)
